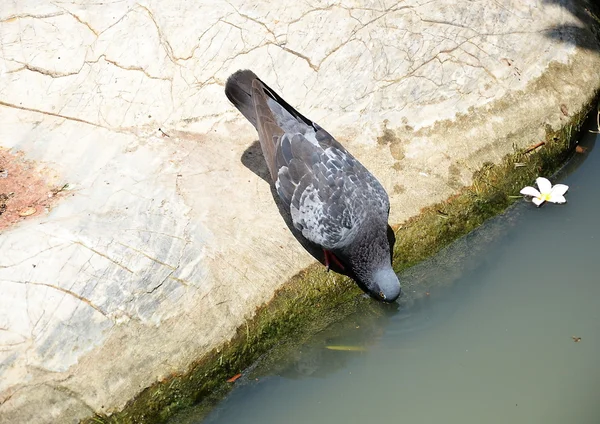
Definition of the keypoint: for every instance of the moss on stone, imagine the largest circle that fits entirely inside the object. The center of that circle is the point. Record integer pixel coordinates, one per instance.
(494, 188)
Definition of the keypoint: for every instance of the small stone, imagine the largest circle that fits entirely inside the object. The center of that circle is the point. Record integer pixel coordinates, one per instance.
(27, 211)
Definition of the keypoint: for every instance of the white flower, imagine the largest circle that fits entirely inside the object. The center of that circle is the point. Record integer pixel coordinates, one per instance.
(547, 192)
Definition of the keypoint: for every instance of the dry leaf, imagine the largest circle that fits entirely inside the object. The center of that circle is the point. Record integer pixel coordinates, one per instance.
(535, 146)
(580, 149)
(234, 378)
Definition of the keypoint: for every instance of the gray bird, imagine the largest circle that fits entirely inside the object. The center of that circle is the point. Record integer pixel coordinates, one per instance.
(334, 202)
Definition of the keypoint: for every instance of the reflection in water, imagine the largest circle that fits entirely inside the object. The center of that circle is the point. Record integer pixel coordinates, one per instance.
(483, 333)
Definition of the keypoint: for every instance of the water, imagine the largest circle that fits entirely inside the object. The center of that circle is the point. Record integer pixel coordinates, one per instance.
(485, 334)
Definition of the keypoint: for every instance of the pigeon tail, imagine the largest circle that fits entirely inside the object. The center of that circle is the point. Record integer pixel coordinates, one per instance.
(238, 90)
(268, 112)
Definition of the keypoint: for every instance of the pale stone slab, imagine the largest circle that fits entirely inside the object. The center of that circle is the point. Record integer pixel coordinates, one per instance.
(166, 242)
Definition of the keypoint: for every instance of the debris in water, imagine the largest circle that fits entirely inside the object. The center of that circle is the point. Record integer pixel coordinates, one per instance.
(234, 378)
(546, 193)
(576, 339)
(346, 348)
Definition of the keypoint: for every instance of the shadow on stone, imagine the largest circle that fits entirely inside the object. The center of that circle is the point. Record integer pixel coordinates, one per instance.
(252, 159)
(581, 36)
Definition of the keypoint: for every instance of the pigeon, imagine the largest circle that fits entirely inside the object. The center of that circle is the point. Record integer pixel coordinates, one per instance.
(334, 201)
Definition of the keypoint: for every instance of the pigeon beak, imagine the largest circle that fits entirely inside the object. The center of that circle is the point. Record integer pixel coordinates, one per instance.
(385, 285)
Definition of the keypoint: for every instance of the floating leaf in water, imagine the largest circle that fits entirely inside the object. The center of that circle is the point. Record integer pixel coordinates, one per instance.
(576, 339)
(547, 192)
(346, 348)
(234, 378)
(580, 149)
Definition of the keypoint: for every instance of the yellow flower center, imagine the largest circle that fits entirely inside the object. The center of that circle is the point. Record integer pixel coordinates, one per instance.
(545, 197)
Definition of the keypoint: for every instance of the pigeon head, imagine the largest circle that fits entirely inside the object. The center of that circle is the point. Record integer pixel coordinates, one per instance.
(384, 284)
(370, 263)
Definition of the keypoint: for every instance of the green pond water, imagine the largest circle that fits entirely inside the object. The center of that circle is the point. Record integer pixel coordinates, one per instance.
(483, 334)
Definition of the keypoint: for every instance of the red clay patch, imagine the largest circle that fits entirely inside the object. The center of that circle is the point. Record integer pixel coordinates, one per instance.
(24, 192)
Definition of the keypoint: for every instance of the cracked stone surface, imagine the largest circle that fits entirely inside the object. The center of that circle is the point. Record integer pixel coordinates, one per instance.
(166, 242)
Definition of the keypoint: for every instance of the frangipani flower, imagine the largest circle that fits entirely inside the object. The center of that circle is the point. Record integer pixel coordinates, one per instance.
(547, 192)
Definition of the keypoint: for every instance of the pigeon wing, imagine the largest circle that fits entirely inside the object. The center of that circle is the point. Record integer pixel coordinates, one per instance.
(328, 191)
